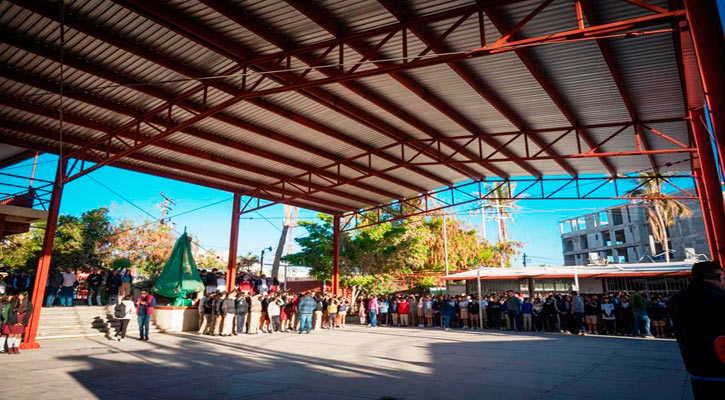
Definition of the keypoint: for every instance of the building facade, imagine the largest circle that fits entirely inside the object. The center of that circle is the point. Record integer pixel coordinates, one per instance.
(621, 234)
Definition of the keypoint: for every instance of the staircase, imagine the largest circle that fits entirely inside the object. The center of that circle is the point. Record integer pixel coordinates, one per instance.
(78, 321)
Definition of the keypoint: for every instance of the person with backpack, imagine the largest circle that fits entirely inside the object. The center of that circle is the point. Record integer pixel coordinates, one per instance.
(123, 312)
(144, 310)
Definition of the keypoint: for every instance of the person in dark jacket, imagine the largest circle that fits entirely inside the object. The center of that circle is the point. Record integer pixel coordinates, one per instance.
(113, 284)
(55, 281)
(306, 307)
(15, 317)
(698, 318)
(94, 281)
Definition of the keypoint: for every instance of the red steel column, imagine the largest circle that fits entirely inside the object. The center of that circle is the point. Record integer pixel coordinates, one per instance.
(233, 243)
(711, 184)
(705, 207)
(335, 255)
(41, 275)
(707, 37)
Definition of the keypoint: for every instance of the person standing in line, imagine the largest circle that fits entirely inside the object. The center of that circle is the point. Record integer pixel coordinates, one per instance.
(361, 311)
(463, 312)
(124, 311)
(384, 306)
(537, 314)
(698, 319)
(608, 317)
(241, 307)
(342, 311)
(200, 308)
(639, 310)
(449, 310)
(473, 307)
(658, 313)
(332, 306)
(94, 281)
(145, 309)
(513, 304)
(393, 310)
(413, 313)
(305, 308)
(113, 285)
(421, 312)
(15, 316)
(229, 311)
(218, 313)
(373, 307)
(255, 311)
(210, 281)
(207, 325)
(526, 314)
(404, 311)
(591, 311)
(317, 323)
(55, 282)
(577, 310)
(66, 290)
(273, 311)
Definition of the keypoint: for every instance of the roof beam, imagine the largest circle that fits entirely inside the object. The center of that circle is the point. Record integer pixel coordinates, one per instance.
(525, 56)
(85, 66)
(133, 48)
(76, 94)
(474, 81)
(17, 158)
(180, 23)
(100, 127)
(164, 174)
(40, 133)
(314, 13)
(616, 74)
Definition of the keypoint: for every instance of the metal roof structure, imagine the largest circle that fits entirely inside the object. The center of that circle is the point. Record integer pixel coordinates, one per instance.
(336, 106)
(568, 271)
(366, 107)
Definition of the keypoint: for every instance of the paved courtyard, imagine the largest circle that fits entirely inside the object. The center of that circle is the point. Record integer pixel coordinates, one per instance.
(354, 363)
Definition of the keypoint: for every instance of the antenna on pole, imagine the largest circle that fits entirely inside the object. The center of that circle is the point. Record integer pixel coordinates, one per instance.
(165, 208)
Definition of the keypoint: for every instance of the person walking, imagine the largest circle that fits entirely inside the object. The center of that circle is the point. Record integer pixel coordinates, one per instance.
(305, 308)
(698, 317)
(144, 310)
(94, 281)
(15, 316)
(639, 310)
(124, 311)
(66, 290)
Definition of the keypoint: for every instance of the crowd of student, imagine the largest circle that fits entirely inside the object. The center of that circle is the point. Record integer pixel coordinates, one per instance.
(610, 314)
(239, 312)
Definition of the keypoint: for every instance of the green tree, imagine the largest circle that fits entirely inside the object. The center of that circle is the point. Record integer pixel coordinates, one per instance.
(209, 260)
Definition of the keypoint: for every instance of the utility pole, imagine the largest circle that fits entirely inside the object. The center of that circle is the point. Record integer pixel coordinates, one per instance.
(524, 260)
(483, 221)
(165, 208)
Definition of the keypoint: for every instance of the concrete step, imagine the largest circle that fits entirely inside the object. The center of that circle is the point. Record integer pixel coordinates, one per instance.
(60, 322)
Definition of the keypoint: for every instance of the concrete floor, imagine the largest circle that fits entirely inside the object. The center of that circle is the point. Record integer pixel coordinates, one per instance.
(354, 363)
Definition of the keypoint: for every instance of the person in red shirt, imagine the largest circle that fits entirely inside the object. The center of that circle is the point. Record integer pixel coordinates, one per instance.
(403, 311)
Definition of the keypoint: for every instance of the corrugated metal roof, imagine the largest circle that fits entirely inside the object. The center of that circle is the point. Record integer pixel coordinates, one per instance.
(301, 128)
(599, 271)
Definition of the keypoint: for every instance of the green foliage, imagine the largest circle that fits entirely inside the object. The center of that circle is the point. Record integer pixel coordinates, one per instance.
(372, 284)
(121, 263)
(209, 260)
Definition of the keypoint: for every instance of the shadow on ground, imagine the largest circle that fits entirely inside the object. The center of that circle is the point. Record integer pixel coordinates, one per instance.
(387, 363)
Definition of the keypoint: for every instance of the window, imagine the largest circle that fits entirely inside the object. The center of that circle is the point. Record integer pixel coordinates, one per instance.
(617, 216)
(569, 245)
(603, 218)
(607, 236)
(609, 256)
(566, 227)
(581, 223)
(583, 243)
(619, 237)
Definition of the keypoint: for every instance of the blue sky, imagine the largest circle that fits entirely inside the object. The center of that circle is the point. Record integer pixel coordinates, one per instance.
(535, 223)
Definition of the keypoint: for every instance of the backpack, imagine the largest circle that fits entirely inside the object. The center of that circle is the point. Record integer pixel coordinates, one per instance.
(120, 310)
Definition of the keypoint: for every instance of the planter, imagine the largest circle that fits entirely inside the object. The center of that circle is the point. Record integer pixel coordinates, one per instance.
(176, 319)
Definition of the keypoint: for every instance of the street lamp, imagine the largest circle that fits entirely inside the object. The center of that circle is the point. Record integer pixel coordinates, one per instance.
(261, 260)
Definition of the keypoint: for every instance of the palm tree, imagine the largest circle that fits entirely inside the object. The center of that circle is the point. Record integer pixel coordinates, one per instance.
(247, 260)
(661, 213)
